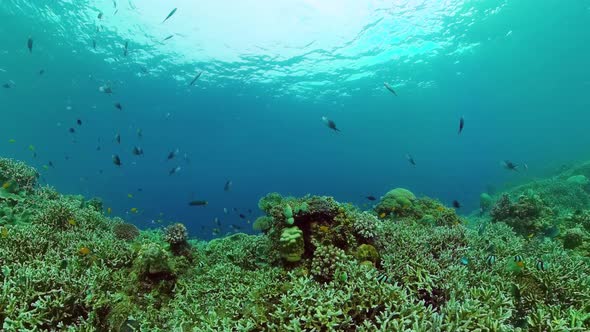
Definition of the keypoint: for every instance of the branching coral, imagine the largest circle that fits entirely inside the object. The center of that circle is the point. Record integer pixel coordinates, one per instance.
(17, 175)
(125, 231)
(326, 262)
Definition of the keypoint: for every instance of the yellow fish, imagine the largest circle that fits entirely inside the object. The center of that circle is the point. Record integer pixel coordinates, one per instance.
(45, 167)
(4, 232)
(133, 210)
(72, 222)
(109, 210)
(12, 141)
(6, 184)
(84, 251)
(129, 196)
(32, 148)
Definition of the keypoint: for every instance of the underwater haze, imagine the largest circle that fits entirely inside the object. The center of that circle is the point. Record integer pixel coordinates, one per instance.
(517, 72)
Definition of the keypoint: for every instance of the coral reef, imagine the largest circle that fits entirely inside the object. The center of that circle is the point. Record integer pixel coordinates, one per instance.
(320, 265)
(125, 231)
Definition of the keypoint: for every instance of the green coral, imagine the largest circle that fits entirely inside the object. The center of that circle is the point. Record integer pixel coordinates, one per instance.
(397, 201)
(327, 261)
(485, 201)
(288, 213)
(367, 252)
(291, 244)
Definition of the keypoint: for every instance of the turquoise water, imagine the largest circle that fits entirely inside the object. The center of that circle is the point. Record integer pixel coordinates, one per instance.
(517, 71)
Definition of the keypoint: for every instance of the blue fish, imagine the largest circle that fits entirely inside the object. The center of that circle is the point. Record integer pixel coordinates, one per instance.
(169, 15)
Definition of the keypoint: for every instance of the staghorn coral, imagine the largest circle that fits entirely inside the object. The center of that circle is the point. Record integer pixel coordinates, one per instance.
(239, 283)
(365, 224)
(527, 215)
(18, 175)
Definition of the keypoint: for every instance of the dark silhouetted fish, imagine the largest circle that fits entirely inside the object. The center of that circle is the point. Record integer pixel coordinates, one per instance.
(371, 198)
(169, 15)
(137, 151)
(242, 216)
(172, 154)
(461, 125)
(116, 160)
(41, 72)
(94, 44)
(99, 16)
(410, 159)
(118, 138)
(388, 87)
(72, 130)
(198, 203)
(119, 106)
(174, 170)
(168, 38)
(510, 165)
(79, 122)
(456, 204)
(50, 163)
(331, 124)
(227, 186)
(30, 44)
(125, 50)
(195, 79)
(8, 85)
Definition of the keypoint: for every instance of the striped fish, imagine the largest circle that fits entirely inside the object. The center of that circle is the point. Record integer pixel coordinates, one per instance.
(491, 260)
(382, 277)
(518, 258)
(540, 265)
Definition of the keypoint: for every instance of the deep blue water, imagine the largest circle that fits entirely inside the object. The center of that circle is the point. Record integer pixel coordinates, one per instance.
(520, 76)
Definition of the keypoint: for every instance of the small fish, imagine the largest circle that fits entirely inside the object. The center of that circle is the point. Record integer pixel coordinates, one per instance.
(41, 72)
(119, 106)
(50, 163)
(371, 198)
(331, 124)
(6, 184)
(94, 44)
(526, 167)
(109, 210)
(216, 221)
(129, 195)
(45, 167)
(116, 160)
(456, 204)
(4, 232)
(139, 133)
(510, 165)
(198, 203)
(169, 15)
(12, 141)
(30, 44)
(540, 265)
(105, 89)
(72, 222)
(388, 87)
(118, 138)
(491, 259)
(410, 159)
(224, 210)
(464, 260)
(172, 154)
(79, 122)
(382, 278)
(174, 170)
(195, 79)
(72, 130)
(32, 148)
(99, 16)
(216, 231)
(84, 251)
(227, 185)
(8, 85)
(125, 49)
(168, 38)
(133, 210)
(482, 228)
(461, 124)
(551, 232)
(519, 261)
(137, 151)
(242, 216)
